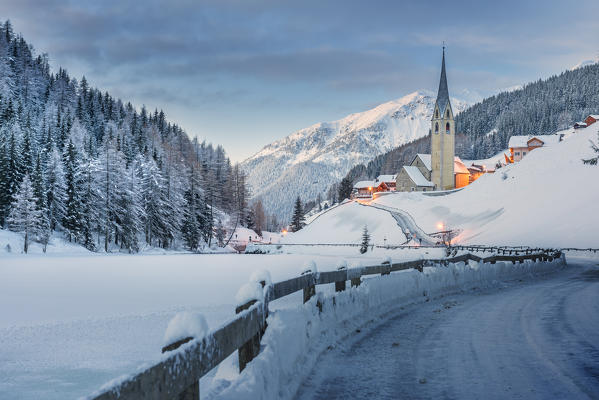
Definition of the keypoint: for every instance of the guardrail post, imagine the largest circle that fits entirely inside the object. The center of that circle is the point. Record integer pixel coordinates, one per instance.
(310, 290)
(387, 270)
(340, 285)
(193, 391)
(251, 348)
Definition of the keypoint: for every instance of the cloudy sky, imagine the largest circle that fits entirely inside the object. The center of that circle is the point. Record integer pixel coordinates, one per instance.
(244, 73)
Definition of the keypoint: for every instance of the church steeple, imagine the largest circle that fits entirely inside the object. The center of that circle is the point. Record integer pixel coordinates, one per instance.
(443, 137)
(443, 93)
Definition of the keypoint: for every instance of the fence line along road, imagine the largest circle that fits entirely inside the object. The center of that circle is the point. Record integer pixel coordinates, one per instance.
(177, 375)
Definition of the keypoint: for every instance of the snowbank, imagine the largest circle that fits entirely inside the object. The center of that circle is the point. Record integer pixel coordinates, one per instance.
(295, 337)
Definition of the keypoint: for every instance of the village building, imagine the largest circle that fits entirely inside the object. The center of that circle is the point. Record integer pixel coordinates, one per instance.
(416, 177)
(520, 146)
(388, 180)
(477, 170)
(365, 189)
(591, 119)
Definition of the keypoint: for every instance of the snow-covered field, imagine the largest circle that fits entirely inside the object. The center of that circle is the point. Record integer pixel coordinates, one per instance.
(68, 324)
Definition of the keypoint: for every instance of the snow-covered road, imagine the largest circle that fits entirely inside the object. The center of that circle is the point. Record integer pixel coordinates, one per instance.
(531, 339)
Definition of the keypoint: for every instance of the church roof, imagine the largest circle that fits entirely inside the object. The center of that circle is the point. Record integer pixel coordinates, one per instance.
(385, 178)
(417, 177)
(426, 160)
(443, 93)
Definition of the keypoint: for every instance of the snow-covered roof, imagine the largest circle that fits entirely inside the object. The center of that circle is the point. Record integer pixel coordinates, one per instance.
(580, 123)
(459, 167)
(364, 184)
(426, 160)
(417, 177)
(522, 141)
(386, 178)
(594, 116)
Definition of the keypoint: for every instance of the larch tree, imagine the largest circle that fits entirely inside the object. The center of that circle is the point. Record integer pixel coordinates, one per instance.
(25, 217)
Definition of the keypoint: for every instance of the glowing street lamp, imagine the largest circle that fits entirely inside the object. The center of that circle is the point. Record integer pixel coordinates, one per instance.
(440, 226)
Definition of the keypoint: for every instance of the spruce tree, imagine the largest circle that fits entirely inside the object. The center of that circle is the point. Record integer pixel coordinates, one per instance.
(297, 221)
(72, 219)
(365, 240)
(592, 160)
(345, 189)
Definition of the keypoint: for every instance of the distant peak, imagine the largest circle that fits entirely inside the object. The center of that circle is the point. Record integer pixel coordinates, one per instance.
(585, 63)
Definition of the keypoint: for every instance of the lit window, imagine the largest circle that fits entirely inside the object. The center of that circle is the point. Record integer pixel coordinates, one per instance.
(447, 130)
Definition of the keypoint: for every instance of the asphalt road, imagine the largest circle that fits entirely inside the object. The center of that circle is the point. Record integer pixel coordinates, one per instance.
(531, 339)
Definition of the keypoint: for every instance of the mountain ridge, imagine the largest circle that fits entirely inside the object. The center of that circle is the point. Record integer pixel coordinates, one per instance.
(307, 161)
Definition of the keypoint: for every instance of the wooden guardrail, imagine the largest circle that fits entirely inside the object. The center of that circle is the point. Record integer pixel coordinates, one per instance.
(178, 374)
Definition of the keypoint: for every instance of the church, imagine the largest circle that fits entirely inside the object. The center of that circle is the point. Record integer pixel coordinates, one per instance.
(440, 170)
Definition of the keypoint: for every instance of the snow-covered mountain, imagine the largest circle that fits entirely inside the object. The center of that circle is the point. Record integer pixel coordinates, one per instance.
(308, 161)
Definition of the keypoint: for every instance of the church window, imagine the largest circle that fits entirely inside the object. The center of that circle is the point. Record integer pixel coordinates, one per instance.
(447, 128)
(436, 127)
(447, 113)
(436, 113)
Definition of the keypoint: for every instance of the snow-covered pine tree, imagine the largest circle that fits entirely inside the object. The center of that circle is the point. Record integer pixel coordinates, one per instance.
(593, 160)
(55, 189)
(297, 221)
(10, 176)
(73, 206)
(129, 208)
(259, 217)
(24, 215)
(190, 228)
(345, 189)
(365, 240)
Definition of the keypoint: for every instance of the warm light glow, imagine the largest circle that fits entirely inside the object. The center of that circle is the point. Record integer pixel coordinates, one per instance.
(284, 231)
(370, 189)
(440, 226)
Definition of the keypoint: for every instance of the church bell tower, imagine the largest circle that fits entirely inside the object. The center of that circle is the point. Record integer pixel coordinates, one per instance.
(442, 137)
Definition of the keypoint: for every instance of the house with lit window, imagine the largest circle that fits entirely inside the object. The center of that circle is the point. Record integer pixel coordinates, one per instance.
(388, 180)
(520, 146)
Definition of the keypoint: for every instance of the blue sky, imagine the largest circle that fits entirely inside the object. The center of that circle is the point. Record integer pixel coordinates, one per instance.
(244, 73)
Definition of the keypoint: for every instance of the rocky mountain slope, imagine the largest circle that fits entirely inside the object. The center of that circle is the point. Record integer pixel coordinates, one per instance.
(308, 161)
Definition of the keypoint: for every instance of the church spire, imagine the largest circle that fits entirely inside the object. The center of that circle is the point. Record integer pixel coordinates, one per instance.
(443, 94)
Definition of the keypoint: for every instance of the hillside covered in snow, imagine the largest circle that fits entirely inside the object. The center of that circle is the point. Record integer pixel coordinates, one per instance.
(308, 161)
(548, 199)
